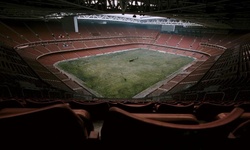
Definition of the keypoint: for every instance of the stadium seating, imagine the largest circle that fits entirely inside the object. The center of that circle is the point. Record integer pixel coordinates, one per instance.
(32, 91)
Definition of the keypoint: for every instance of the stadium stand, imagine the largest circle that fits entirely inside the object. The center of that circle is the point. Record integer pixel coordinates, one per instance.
(204, 106)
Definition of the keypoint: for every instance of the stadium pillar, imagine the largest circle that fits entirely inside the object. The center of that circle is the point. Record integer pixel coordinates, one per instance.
(70, 24)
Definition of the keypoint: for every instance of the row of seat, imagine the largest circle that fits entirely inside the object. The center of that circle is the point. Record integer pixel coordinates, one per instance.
(121, 127)
(203, 111)
(62, 127)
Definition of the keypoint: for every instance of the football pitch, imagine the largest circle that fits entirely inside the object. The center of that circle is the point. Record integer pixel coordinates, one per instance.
(126, 73)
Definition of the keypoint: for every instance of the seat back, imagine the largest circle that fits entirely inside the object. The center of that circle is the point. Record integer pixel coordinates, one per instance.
(137, 108)
(240, 136)
(121, 126)
(55, 126)
(208, 111)
(242, 131)
(245, 106)
(97, 110)
(175, 108)
(38, 104)
(11, 104)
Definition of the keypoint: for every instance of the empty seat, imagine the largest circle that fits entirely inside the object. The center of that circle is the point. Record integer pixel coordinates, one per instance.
(137, 108)
(85, 116)
(175, 108)
(52, 127)
(167, 117)
(37, 104)
(209, 111)
(126, 129)
(97, 110)
(11, 103)
(245, 106)
(240, 136)
(242, 131)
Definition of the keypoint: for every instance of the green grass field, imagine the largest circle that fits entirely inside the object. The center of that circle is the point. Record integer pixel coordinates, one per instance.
(124, 74)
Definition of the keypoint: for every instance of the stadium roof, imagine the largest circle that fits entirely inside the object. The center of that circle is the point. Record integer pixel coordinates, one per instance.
(224, 14)
(129, 18)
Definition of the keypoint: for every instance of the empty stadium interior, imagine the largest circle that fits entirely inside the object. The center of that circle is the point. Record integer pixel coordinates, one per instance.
(204, 106)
